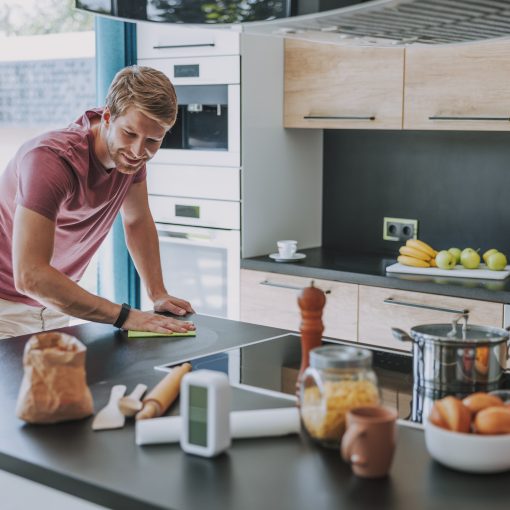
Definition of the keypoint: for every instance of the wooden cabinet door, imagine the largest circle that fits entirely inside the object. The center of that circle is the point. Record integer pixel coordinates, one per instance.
(271, 299)
(338, 86)
(381, 309)
(464, 86)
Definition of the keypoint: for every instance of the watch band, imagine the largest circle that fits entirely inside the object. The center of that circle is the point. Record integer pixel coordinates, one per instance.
(123, 315)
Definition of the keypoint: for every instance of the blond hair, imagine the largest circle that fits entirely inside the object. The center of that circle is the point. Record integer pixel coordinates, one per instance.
(145, 88)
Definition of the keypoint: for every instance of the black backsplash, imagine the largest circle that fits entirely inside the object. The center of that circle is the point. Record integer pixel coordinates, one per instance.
(455, 183)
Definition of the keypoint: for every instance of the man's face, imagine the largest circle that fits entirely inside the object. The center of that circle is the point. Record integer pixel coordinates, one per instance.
(132, 139)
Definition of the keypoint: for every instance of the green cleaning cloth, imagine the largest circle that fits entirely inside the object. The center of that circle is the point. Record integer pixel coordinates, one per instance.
(148, 334)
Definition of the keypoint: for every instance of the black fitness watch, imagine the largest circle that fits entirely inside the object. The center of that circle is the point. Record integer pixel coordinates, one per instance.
(123, 315)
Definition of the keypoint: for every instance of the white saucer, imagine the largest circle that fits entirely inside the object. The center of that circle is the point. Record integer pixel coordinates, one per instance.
(294, 258)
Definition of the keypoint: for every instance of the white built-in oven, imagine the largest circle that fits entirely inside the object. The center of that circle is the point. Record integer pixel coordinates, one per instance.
(200, 263)
(207, 130)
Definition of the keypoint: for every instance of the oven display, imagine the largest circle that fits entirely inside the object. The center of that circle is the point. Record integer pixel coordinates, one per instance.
(187, 71)
(187, 211)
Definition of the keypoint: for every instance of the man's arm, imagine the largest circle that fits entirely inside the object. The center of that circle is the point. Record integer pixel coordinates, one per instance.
(33, 244)
(143, 244)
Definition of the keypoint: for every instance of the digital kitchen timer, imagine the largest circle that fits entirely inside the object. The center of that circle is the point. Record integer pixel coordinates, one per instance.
(205, 413)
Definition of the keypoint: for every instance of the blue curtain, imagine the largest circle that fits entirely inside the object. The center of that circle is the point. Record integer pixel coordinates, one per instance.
(115, 49)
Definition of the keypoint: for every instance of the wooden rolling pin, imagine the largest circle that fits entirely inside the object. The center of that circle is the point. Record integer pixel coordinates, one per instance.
(163, 394)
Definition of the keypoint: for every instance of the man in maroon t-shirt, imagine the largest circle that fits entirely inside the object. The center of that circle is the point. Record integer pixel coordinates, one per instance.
(59, 197)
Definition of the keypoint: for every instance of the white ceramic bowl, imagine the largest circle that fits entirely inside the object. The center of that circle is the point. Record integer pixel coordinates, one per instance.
(468, 452)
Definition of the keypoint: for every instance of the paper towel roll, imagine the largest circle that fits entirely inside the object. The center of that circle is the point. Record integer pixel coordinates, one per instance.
(158, 430)
(264, 422)
(243, 424)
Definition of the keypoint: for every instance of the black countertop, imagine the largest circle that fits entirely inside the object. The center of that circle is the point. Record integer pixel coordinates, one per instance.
(330, 264)
(272, 473)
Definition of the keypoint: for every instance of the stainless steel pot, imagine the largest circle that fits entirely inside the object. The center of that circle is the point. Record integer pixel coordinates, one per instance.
(457, 358)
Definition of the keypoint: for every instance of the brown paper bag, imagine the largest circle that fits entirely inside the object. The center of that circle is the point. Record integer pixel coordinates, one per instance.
(54, 386)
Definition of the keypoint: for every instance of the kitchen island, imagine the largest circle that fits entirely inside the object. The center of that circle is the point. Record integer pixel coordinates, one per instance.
(272, 473)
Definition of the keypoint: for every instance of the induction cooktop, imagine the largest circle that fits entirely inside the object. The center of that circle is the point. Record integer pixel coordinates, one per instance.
(271, 367)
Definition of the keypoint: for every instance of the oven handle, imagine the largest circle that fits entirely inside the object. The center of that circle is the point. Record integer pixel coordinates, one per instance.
(167, 235)
(285, 286)
(170, 46)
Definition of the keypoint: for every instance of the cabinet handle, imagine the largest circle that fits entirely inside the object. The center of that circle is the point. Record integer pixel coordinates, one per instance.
(285, 286)
(391, 301)
(441, 117)
(169, 46)
(340, 117)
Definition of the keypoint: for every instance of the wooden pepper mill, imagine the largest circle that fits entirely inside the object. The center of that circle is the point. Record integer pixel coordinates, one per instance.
(311, 301)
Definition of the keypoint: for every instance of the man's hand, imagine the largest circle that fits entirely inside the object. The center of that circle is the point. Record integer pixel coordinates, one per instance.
(167, 303)
(146, 321)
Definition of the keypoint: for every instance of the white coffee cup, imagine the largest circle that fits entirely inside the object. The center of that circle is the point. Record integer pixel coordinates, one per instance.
(287, 248)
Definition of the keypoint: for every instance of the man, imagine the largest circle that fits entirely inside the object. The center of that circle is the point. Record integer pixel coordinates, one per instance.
(59, 197)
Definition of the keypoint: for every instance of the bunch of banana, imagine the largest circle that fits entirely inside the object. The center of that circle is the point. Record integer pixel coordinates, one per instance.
(417, 254)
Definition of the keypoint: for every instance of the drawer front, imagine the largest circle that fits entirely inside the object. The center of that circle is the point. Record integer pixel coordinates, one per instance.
(271, 299)
(198, 212)
(377, 317)
(218, 183)
(166, 40)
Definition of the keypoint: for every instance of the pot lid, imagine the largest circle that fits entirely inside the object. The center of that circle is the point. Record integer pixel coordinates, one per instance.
(446, 333)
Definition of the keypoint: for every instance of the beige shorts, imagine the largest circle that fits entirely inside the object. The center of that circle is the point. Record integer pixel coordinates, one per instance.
(20, 319)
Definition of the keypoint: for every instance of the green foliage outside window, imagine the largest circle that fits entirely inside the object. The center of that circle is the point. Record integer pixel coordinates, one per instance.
(22, 17)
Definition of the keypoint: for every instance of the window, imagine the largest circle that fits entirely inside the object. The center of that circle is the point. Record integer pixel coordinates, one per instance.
(47, 75)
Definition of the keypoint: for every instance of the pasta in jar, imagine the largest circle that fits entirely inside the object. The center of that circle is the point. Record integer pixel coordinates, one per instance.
(324, 414)
(339, 379)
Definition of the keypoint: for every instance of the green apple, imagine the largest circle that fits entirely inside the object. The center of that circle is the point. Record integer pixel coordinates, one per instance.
(456, 253)
(445, 260)
(496, 261)
(488, 253)
(469, 258)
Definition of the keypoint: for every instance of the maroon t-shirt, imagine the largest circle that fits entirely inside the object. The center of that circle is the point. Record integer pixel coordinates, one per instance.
(59, 176)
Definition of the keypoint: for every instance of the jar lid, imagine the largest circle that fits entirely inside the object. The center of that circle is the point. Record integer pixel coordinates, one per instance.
(336, 356)
(448, 333)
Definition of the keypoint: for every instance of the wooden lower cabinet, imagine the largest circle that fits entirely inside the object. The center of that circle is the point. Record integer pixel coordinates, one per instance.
(356, 312)
(380, 309)
(271, 299)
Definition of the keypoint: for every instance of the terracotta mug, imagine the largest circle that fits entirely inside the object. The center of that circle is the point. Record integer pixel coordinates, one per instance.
(369, 441)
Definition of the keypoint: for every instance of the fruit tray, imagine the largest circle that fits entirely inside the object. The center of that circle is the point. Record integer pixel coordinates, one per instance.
(457, 272)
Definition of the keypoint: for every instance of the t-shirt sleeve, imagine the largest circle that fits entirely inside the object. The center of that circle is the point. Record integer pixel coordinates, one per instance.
(141, 175)
(44, 182)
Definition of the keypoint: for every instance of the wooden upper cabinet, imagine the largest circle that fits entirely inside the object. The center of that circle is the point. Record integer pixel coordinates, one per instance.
(340, 86)
(467, 83)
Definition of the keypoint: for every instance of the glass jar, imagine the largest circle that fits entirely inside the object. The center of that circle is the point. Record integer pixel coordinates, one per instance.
(338, 379)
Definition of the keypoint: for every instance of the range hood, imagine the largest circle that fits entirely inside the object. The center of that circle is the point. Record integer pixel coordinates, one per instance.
(400, 22)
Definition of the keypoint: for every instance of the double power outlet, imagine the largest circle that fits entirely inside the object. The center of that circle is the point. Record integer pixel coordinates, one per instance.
(399, 229)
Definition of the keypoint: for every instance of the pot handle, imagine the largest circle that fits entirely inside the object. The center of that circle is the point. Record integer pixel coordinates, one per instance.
(401, 335)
